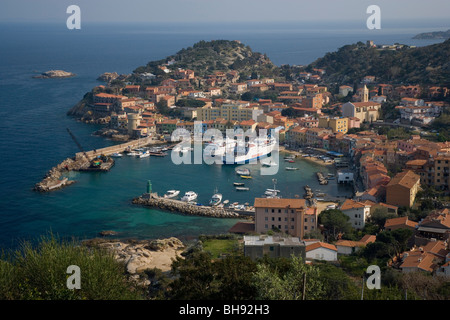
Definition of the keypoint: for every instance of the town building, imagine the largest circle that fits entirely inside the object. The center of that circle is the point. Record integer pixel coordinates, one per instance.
(358, 212)
(402, 189)
(286, 215)
(321, 251)
(257, 247)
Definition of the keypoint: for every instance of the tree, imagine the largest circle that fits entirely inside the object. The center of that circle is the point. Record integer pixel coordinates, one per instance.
(337, 284)
(200, 278)
(335, 222)
(300, 278)
(379, 217)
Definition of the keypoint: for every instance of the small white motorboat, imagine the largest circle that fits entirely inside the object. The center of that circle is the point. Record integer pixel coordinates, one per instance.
(171, 194)
(189, 196)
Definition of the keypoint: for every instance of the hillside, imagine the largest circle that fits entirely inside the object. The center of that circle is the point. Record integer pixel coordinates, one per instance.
(205, 57)
(422, 65)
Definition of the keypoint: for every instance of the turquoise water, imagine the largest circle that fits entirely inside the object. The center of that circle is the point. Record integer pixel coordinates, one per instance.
(33, 122)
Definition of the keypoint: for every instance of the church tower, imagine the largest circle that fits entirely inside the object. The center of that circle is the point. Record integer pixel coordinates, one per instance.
(364, 94)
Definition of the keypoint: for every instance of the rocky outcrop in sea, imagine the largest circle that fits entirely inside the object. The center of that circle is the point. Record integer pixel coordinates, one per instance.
(55, 74)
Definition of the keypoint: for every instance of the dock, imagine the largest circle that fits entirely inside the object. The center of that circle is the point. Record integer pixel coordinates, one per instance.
(181, 207)
(54, 179)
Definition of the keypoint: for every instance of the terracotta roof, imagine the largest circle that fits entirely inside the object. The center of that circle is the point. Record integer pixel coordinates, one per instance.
(320, 245)
(368, 238)
(421, 261)
(406, 179)
(280, 203)
(352, 204)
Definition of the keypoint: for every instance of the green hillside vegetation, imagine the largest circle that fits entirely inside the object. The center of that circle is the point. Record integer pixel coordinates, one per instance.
(423, 65)
(206, 57)
(39, 272)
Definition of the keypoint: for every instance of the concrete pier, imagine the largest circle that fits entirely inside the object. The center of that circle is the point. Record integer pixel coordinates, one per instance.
(154, 201)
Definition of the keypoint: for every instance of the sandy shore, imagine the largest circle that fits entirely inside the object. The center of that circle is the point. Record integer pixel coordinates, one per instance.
(299, 155)
(323, 205)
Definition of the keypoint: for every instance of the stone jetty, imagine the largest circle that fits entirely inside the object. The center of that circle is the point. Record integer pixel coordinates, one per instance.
(186, 208)
(54, 179)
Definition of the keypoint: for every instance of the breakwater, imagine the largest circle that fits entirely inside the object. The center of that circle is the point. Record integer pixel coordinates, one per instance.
(154, 201)
(54, 179)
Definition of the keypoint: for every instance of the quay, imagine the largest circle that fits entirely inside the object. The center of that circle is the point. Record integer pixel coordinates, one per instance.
(54, 179)
(178, 206)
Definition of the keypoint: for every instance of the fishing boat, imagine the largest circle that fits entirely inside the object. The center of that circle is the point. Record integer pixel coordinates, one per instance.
(242, 188)
(133, 154)
(216, 198)
(291, 168)
(238, 184)
(246, 177)
(243, 171)
(171, 194)
(226, 202)
(189, 196)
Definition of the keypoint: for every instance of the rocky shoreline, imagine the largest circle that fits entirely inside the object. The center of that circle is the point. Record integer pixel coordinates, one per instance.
(141, 255)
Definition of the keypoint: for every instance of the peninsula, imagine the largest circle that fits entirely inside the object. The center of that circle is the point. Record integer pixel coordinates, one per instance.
(434, 35)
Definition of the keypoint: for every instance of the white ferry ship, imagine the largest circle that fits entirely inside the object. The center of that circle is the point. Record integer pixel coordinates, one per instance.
(238, 152)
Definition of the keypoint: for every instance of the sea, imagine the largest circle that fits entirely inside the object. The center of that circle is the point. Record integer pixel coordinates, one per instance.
(33, 122)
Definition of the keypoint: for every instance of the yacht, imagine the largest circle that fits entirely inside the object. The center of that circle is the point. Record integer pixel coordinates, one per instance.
(216, 199)
(238, 184)
(291, 168)
(189, 196)
(242, 188)
(171, 194)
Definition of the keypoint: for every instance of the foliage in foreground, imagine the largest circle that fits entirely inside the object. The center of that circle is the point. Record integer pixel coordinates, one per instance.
(40, 273)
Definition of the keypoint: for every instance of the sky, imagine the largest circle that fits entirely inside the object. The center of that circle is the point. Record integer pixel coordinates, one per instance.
(125, 11)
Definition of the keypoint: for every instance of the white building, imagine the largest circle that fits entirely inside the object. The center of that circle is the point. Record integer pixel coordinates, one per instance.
(321, 251)
(345, 176)
(358, 212)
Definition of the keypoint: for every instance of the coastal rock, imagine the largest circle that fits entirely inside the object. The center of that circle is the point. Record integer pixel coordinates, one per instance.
(108, 233)
(55, 74)
(139, 256)
(108, 76)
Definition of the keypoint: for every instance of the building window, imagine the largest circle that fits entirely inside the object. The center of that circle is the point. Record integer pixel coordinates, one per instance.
(266, 210)
(273, 210)
(273, 219)
(266, 219)
(266, 226)
(279, 219)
